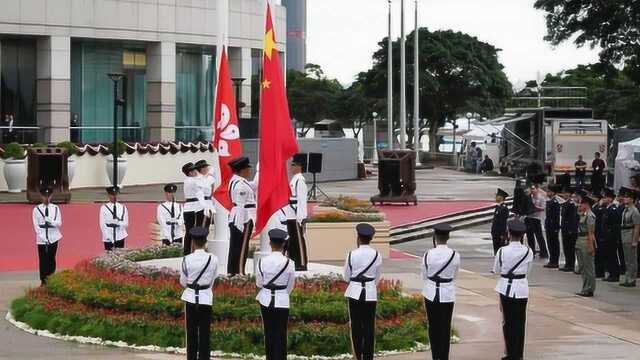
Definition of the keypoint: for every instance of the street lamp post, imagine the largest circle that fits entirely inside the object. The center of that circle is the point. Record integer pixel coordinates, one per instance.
(115, 77)
(389, 86)
(455, 153)
(416, 89)
(374, 160)
(237, 82)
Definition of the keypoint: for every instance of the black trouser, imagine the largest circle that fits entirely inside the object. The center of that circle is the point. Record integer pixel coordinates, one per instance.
(275, 321)
(613, 262)
(596, 183)
(119, 244)
(601, 257)
(198, 320)
(569, 249)
(168, 242)
(553, 240)
(191, 219)
(498, 242)
(47, 260)
(362, 315)
(439, 318)
(238, 248)
(297, 244)
(534, 232)
(514, 322)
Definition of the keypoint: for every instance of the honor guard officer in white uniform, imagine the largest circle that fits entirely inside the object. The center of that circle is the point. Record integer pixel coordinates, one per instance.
(169, 217)
(242, 216)
(275, 278)
(199, 271)
(47, 220)
(208, 183)
(297, 213)
(439, 270)
(513, 263)
(114, 220)
(194, 204)
(362, 272)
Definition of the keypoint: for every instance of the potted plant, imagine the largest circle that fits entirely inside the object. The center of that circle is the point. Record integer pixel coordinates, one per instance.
(15, 168)
(121, 147)
(71, 150)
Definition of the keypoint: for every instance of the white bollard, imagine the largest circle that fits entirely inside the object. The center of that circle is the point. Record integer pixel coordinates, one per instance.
(219, 245)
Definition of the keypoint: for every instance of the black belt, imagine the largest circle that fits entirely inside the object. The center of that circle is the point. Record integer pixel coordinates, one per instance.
(246, 206)
(197, 288)
(362, 280)
(190, 200)
(438, 280)
(513, 277)
(293, 202)
(274, 288)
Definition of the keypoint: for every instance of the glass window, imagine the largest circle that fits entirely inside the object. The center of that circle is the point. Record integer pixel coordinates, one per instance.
(195, 85)
(18, 90)
(92, 92)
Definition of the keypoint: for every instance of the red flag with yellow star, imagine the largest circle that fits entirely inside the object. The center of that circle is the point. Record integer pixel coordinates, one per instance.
(277, 137)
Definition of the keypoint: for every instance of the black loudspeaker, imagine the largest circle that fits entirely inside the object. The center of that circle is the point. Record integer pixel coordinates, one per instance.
(315, 163)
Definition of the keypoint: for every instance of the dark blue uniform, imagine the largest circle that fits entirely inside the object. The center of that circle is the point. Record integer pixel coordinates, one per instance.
(499, 226)
(600, 230)
(569, 228)
(612, 221)
(552, 229)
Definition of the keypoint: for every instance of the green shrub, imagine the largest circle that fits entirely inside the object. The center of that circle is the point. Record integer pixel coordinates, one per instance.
(14, 151)
(69, 147)
(121, 147)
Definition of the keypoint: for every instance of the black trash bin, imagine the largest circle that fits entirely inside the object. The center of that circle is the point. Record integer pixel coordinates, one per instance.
(396, 177)
(47, 166)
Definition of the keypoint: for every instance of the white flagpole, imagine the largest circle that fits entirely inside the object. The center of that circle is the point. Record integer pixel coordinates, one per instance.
(403, 81)
(390, 85)
(416, 91)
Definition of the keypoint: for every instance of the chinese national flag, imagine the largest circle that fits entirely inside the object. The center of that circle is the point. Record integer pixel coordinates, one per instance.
(277, 136)
(227, 134)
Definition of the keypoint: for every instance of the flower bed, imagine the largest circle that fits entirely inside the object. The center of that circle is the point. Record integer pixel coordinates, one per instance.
(104, 298)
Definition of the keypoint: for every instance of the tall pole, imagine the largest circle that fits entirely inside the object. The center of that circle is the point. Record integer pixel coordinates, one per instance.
(114, 149)
(374, 159)
(416, 91)
(403, 81)
(390, 86)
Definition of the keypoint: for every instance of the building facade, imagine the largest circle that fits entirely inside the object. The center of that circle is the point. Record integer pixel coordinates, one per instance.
(55, 56)
(296, 34)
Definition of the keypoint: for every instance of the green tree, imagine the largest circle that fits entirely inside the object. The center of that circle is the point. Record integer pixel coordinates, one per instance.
(311, 96)
(612, 25)
(458, 74)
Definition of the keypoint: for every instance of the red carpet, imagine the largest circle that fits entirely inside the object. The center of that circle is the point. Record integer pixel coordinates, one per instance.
(81, 237)
(402, 214)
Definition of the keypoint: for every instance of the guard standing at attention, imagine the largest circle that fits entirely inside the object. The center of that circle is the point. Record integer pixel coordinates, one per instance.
(297, 213)
(629, 236)
(208, 182)
(199, 271)
(114, 220)
(47, 220)
(513, 263)
(569, 228)
(611, 219)
(585, 247)
(439, 270)
(275, 278)
(362, 272)
(499, 223)
(194, 204)
(169, 217)
(552, 225)
(242, 216)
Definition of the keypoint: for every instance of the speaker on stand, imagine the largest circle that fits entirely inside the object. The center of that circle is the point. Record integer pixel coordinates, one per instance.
(315, 167)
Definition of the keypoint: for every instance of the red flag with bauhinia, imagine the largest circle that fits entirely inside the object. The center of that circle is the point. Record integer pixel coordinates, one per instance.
(226, 137)
(277, 136)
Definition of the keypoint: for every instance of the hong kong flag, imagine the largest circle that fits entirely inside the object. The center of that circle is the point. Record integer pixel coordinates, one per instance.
(277, 137)
(226, 137)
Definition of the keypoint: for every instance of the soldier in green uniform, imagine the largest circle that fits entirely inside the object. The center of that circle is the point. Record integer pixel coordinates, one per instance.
(629, 234)
(585, 246)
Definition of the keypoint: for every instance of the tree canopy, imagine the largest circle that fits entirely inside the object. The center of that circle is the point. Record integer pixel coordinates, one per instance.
(458, 74)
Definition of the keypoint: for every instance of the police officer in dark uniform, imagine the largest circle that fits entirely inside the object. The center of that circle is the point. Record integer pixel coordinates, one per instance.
(612, 220)
(569, 229)
(600, 257)
(499, 223)
(552, 225)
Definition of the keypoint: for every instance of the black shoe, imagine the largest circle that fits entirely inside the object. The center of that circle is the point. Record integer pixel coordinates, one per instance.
(585, 294)
(566, 269)
(611, 279)
(551, 266)
(629, 285)
(577, 272)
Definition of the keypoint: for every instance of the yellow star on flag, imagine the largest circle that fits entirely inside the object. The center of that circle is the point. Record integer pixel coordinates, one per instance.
(269, 43)
(266, 84)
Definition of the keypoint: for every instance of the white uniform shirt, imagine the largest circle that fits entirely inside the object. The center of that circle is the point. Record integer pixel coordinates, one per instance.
(192, 266)
(208, 182)
(436, 260)
(164, 218)
(268, 267)
(121, 219)
(360, 258)
(194, 190)
(243, 197)
(298, 210)
(47, 214)
(506, 258)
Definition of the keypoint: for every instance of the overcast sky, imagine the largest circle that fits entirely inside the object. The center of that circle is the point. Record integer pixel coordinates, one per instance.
(343, 34)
